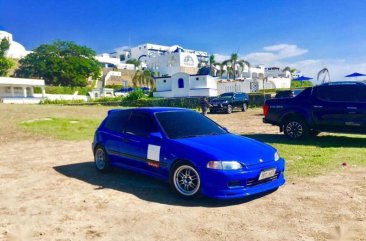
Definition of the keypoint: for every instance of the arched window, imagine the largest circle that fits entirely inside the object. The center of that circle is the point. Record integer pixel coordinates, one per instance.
(188, 61)
(180, 83)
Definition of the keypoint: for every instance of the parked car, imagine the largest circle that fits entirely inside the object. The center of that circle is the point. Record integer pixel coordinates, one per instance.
(331, 107)
(287, 93)
(188, 150)
(227, 102)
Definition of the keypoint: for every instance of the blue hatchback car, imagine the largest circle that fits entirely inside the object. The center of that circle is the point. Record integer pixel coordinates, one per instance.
(188, 150)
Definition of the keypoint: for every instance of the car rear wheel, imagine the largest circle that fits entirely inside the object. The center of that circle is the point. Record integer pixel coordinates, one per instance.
(101, 160)
(185, 180)
(295, 128)
(229, 109)
(244, 107)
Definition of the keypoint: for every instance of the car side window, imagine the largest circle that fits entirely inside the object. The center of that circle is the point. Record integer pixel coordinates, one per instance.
(323, 93)
(337, 93)
(116, 121)
(140, 124)
(344, 93)
(362, 94)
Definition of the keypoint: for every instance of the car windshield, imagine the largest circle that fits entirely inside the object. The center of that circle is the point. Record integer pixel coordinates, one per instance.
(185, 124)
(226, 96)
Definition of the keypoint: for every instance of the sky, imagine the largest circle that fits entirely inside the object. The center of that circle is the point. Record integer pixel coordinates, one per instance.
(304, 34)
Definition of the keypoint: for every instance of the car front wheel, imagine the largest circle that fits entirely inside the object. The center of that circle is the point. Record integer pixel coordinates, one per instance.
(244, 107)
(229, 109)
(185, 180)
(101, 160)
(295, 128)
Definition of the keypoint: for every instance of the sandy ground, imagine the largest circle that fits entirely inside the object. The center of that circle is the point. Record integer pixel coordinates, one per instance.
(50, 190)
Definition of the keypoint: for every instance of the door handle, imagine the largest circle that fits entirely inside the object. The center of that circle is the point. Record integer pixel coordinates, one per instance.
(351, 108)
(318, 106)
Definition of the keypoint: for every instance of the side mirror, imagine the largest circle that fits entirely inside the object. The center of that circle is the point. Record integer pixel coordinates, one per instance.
(156, 135)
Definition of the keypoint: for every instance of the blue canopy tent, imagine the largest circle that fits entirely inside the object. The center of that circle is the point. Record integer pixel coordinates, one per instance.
(355, 75)
(302, 78)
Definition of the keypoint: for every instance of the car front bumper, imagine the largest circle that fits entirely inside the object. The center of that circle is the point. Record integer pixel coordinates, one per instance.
(241, 183)
(218, 108)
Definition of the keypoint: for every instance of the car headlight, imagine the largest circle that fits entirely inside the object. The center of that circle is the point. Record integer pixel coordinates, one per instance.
(224, 165)
(276, 156)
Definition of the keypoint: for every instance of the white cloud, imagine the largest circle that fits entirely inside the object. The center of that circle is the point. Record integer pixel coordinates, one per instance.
(274, 53)
(338, 68)
(221, 57)
(278, 55)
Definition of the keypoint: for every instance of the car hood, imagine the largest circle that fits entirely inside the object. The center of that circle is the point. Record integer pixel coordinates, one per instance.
(220, 100)
(230, 147)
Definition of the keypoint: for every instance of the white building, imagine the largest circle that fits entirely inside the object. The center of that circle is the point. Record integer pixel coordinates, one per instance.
(20, 91)
(16, 50)
(185, 85)
(256, 78)
(164, 60)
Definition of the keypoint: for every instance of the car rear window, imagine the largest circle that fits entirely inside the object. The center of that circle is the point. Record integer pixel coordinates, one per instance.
(183, 124)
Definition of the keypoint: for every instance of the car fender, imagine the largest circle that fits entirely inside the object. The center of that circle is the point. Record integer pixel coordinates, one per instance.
(299, 112)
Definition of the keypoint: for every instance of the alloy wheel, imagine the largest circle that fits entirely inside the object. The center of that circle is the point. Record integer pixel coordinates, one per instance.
(186, 180)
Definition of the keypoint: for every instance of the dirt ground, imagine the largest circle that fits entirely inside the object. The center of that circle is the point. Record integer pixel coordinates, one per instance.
(50, 190)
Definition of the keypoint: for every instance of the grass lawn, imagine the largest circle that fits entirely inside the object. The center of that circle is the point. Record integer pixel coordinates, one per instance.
(307, 157)
(317, 155)
(63, 128)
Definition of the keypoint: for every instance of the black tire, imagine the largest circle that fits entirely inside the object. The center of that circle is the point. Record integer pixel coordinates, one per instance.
(295, 128)
(185, 180)
(229, 109)
(244, 107)
(101, 160)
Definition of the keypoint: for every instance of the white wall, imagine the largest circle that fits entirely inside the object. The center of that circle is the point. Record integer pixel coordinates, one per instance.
(180, 92)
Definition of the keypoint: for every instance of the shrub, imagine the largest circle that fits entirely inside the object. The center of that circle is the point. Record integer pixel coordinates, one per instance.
(135, 95)
(64, 90)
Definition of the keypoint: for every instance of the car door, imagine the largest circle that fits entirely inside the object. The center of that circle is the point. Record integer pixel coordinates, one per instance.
(334, 107)
(361, 98)
(139, 145)
(114, 138)
(237, 100)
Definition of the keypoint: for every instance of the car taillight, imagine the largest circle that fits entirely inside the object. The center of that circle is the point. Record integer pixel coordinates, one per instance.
(265, 109)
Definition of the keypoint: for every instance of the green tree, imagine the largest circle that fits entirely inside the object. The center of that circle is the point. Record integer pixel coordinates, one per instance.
(5, 63)
(143, 78)
(212, 64)
(61, 63)
(135, 62)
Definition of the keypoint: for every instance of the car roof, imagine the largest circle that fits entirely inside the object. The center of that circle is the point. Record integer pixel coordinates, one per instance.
(151, 109)
(345, 83)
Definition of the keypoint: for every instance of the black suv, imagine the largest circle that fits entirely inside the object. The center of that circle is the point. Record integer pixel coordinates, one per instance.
(227, 102)
(331, 107)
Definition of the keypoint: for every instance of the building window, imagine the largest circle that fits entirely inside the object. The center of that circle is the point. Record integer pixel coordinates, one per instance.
(197, 78)
(164, 81)
(122, 57)
(188, 61)
(180, 83)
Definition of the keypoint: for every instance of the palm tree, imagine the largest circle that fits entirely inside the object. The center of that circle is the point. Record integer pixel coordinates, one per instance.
(233, 61)
(287, 68)
(322, 75)
(143, 77)
(135, 62)
(212, 64)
